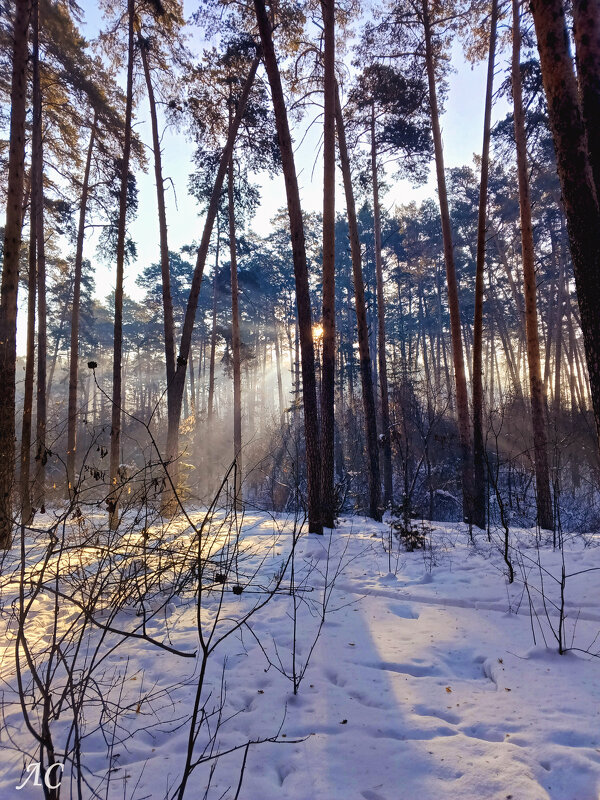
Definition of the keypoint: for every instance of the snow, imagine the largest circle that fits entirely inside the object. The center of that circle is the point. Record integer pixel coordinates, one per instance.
(427, 677)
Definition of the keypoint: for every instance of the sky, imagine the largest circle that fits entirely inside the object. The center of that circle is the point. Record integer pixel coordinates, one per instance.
(462, 134)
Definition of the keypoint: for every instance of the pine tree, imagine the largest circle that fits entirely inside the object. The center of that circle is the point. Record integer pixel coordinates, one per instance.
(368, 395)
(538, 405)
(579, 189)
(329, 339)
(309, 391)
(10, 267)
(479, 494)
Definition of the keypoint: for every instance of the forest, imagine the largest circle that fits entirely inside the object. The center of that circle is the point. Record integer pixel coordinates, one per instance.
(299, 415)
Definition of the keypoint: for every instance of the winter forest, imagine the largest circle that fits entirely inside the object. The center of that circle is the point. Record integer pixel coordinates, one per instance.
(300, 399)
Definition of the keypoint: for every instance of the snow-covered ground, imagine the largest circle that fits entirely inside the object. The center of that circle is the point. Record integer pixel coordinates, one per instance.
(425, 682)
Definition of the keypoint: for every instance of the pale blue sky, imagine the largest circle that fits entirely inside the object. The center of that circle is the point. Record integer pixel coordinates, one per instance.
(462, 133)
(462, 123)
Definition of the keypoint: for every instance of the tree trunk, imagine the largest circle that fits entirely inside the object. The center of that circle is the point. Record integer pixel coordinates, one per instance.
(462, 400)
(511, 361)
(586, 30)
(167, 500)
(559, 344)
(538, 406)
(235, 343)
(362, 327)
(575, 405)
(479, 498)
(278, 368)
(174, 414)
(58, 340)
(383, 382)
(74, 349)
(39, 484)
(311, 422)
(213, 342)
(117, 395)
(26, 425)
(553, 312)
(192, 387)
(579, 193)
(328, 368)
(296, 367)
(491, 355)
(421, 330)
(10, 267)
(582, 384)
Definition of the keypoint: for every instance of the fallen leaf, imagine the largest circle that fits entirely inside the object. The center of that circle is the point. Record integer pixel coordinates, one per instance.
(448, 689)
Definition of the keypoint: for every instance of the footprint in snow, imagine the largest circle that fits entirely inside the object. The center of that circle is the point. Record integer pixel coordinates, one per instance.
(284, 771)
(367, 701)
(414, 734)
(369, 794)
(464, 664)
(248, 701)
(403, 610)
(335, 678)
(415, 669)
(486, 733)
(428, 711)
(570, 738)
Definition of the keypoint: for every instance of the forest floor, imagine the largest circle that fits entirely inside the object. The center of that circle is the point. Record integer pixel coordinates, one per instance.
(432, 676)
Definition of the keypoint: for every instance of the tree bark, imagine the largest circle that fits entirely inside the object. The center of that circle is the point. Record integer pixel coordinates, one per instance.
(462, 400)
(586, 30)
(10, 267)
(580, 198)
(309, 392)
(559, 342)
(278, 368)
(74, 349)
(328, 366)
(213, 344)
(26, 425)
(117, 395)
(167, 500)
(381, 353)
(39, 484)
(538, 405)
(192, 387)
(479, 495)
(364, 352)
(235, 343)
(423, 335)
(553, 313)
